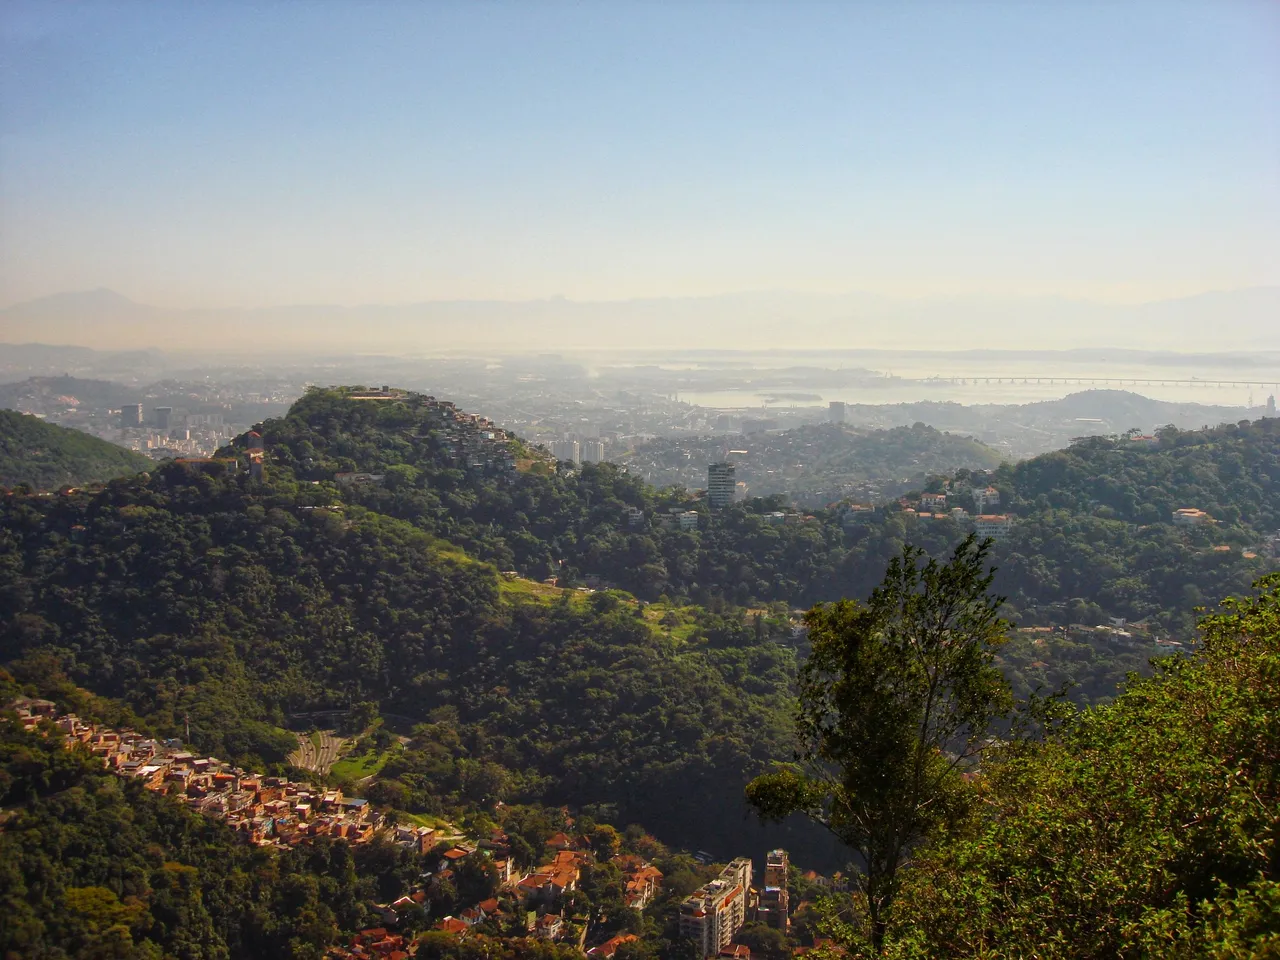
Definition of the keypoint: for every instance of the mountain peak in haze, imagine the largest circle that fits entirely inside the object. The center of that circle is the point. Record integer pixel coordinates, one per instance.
(83, 302)
(755, 320)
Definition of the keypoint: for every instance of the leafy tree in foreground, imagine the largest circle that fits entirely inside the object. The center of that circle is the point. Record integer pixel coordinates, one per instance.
(895, 701)
(1146, 828)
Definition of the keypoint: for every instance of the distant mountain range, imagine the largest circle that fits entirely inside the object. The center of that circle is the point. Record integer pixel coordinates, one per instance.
(1217, 321)
(1028, 429)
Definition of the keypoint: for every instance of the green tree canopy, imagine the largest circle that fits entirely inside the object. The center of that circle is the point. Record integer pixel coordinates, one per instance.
(894, 701)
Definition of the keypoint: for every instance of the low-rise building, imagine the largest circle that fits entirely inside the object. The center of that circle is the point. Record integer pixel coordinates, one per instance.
(641, 880)
(607, 949)
(352, 479)
(993, 525)
(984, 497)
(549, 926)
(1190, 517)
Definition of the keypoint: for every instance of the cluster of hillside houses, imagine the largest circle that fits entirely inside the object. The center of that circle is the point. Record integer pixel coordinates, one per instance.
(474, 442)
(270, 811)
(264, 810)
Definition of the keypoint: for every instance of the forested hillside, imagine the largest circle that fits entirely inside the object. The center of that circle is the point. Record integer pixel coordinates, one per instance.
(233, 604)
(95, 866)
(1144, 829)
(1093, 535)
(46, 457)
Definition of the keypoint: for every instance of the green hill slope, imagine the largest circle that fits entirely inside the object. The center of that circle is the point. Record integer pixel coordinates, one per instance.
(47, 457)
(235, 604)
(232, 603)
(1143, 829)
(96, 866)
(1093, 536)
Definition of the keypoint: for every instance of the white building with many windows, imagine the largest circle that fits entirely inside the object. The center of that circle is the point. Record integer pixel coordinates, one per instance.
(721, 484)
(716, 911)
(565, 450)
(993, 525)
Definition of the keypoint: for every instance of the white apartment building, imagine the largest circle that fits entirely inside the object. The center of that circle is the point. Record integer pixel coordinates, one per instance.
(993, 525)
(716, 911)
(592, 451)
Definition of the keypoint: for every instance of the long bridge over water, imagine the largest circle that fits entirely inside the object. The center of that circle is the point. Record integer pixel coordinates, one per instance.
(970, 379)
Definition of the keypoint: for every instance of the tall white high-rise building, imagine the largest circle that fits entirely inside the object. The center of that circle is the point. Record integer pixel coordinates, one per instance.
(721, 484)
(836, 411)
(592, 451)
(717, 910)
(565, 450)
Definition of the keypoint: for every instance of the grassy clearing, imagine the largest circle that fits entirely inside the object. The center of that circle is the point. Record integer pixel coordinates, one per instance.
(664, 619)
(423, 820)
(359, 766)
(668, 619)
(530, 589)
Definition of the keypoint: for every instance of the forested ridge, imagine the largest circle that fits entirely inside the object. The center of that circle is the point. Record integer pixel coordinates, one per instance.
(230, 603)
(1094, 533)
(1093, 536)
(45, 456)
(229, 606)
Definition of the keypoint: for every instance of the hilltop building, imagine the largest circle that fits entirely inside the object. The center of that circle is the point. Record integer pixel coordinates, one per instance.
(721, 484)
(386, 393)
(1271, 405)
(774, 906)
(716, 911)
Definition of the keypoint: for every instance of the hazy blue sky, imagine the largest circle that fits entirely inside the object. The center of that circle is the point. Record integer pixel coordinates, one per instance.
(205, 154)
